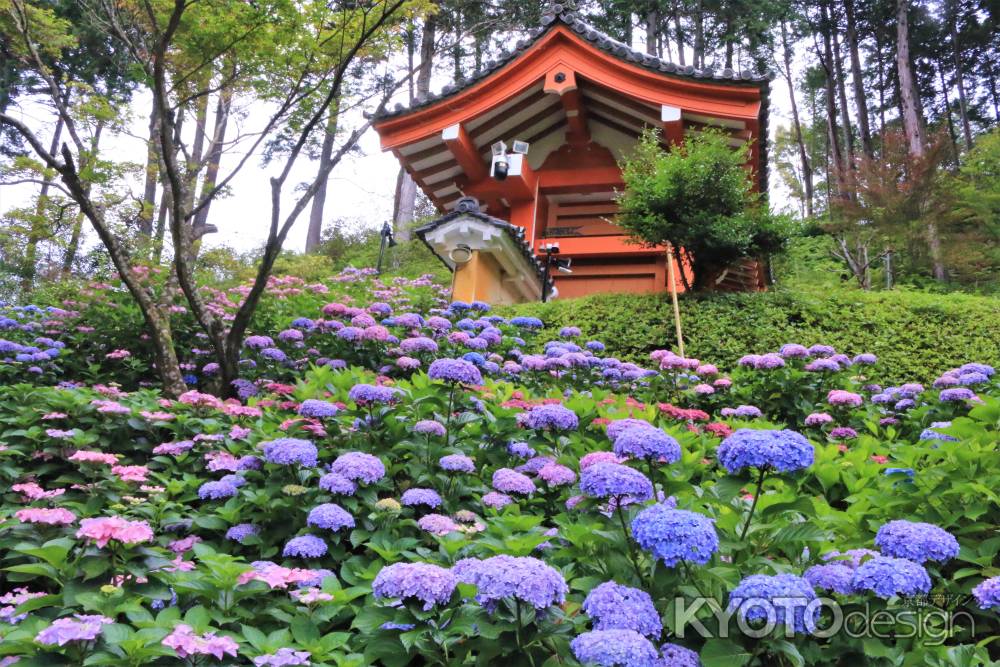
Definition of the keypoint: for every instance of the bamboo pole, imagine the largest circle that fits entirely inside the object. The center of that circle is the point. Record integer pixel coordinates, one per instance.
(673, 296)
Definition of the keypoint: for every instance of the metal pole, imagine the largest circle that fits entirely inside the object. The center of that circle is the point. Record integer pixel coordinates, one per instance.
(673, 297)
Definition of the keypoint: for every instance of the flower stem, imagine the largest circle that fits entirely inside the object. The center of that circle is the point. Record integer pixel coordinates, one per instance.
(447, 416)
(753, 506)
(628, 540)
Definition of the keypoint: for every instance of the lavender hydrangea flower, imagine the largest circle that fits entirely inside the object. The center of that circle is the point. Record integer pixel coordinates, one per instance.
(793, 351)
(217, 490)
(956, 394)
(523, 578)
(821, 365)
(550, 417)
(987, 593)
(612, 480)
(258, 342)
(305, 546)
(506, 480)
(458, 371)
(415, 497)
(916, 541)
(834, 577)
(363, 394)
(283, 657)
(521, 449)
(290, 451)
(457, 463)
(337, 484)
(82, 627)
(318, 409)
(241, 531)
(647, 443)
(497, 500)
(615, 648)
(866, 358)
(427, 583)
(843, 433)
(330, 516)
(818, 419)
(429, 427)
(747, 412)
(675, 655)
(612, 606)
(418, 344)
(359, 467)
(673, 535)
(886, 577)
(769, 361)
(760, 596)
(437, 524)
(785, 450)
(274, 354)
(554, 475)
(616, 428)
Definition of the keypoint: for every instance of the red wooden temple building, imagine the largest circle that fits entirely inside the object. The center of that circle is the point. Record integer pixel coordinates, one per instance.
(567, 104)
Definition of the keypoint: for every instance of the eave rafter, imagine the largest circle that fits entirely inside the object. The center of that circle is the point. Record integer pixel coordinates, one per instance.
(561, 81)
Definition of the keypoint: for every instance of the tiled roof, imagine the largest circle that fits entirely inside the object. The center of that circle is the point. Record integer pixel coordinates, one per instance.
(468, 207)
(556, 14)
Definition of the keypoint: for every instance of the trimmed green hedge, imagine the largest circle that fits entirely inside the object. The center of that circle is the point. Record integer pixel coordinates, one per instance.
(915, 335)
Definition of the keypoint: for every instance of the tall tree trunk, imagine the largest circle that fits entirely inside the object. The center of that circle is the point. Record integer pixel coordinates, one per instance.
(838, 68)
(858, 80)
(197, 148)
(38, 228)
(456, 48)
(406, 191)
(167, 198)
(214, 157)
(653, 31)
(881, 84)
(807, 179)
(913, 123)
(678, 36)
(728, 37)
(837, 158)
(947, 112)
(699, 35)
(959, 78)
(319, 200)
(152, 174)
(73, 247)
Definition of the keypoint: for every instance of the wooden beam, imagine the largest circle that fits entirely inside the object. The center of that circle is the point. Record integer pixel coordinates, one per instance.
(561, 81)
(510, 112)
(462, 147)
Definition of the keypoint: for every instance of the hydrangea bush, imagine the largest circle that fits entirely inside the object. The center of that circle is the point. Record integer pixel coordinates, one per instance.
(414, 482)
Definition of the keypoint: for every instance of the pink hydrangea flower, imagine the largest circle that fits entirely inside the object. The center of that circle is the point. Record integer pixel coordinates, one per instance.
(111, 407)
(56, 516)
(85, 456)
(130, 473)
(104, 529)
(238, 432)
(200, 400)
(184, 544)
(158, 416)
(185, 643)
(33, 491)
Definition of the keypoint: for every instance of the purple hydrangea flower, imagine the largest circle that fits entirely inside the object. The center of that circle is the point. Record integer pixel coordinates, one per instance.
(612, 480)
(841, 397)
(82, 627)
(866, 358)
(305, 546)
(550, 417)
(843, 433)
(673, 535)
(429, 427)
(760, 596)
(615, 648)
(258, 342)
(274, 354)
(521, 449)
(418, 344)
(556, 475)
(956, 394)
(769, 361)
(455, 370)
(437, 524)
(506, 480)
(793, 351)
(318, 409)
(457, 463)
(835, 577)
(425, 582)
(987, 593)
(283, 657)
(358, 466)
(330, 516)
(523, 578)
(886, 577)
(363, 394)
(747, 412)
(612, 606)
(616, 428)
(217, 490)
(821, 365)
(337, 484)
(647, 443)
(414, 497)
(675, 655)
(497, 500)
(290, 451)
(818, 419)
(241, 531)
(916, 541)
(785, 450)
(569, 332)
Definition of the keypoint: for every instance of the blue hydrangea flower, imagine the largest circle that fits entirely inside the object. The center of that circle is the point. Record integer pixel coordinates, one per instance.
(886, 577)
(930, 434)
(217, 490)
(414, 497)
(612, 480)
(363, 394)
(521, 449)
(835, 577)
(305, 546)
(956, 394)
(458, 371)
(457, 463)
(430, 584)
(241, 531)
(274, 354)
(318, 409)
(615, 648)
(673, 535)
(524, 578)
(761, 596)
(258, 342)
(527, 322)
(987, 593)
(550, 417)
(330, 516)
(290, 451)
(506, 480)
(358, 466)
(675, 655)
(616, 428)
(595, 346)
(985, 369)
(785, 450)
(647, 443)
(612, 606)
(337, 484)
(916, 541)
